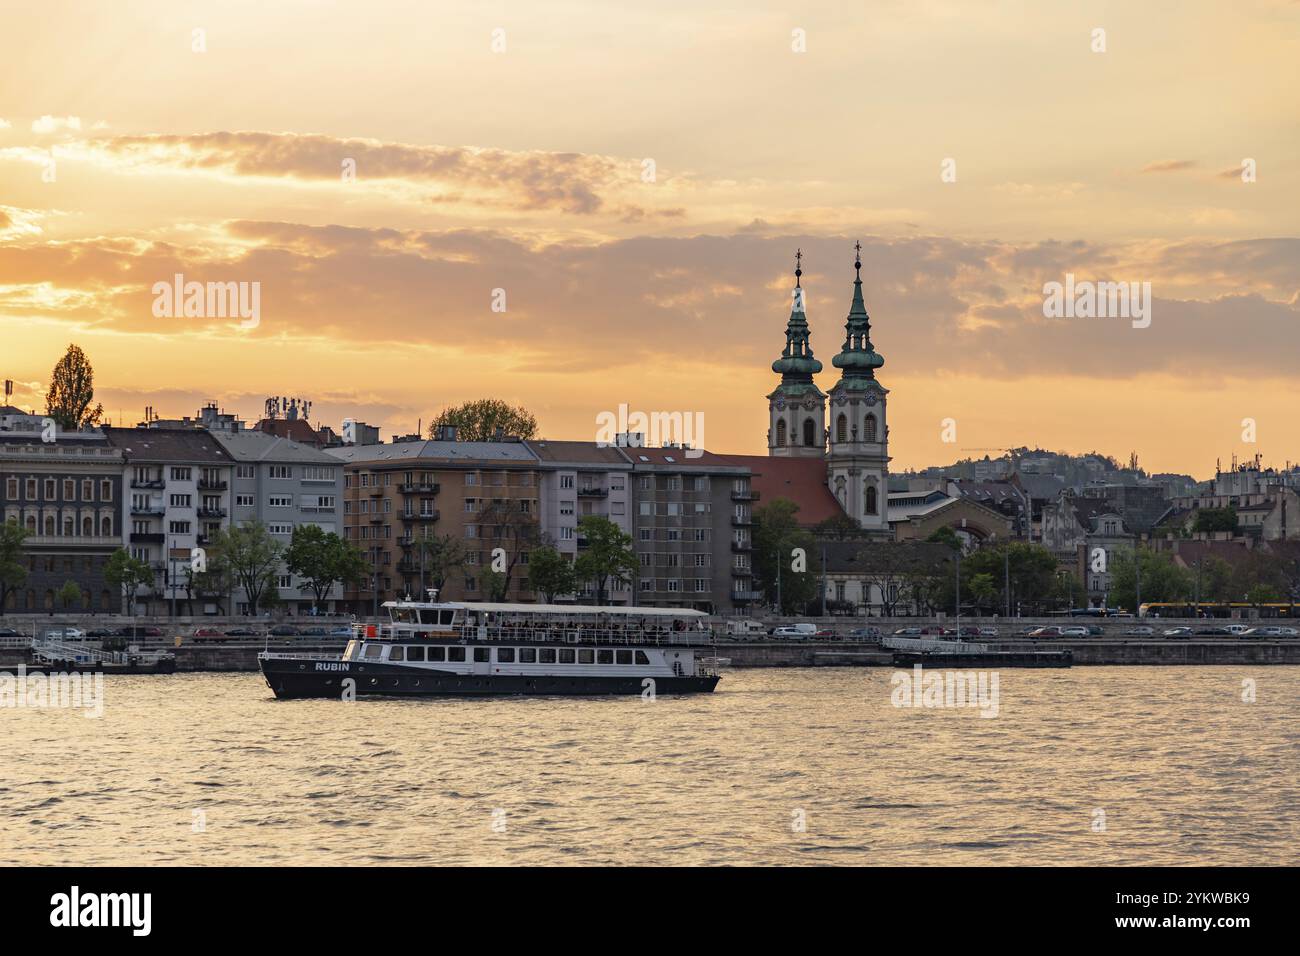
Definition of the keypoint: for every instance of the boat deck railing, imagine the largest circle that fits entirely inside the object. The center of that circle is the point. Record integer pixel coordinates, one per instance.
(542, 635)
(291, 656)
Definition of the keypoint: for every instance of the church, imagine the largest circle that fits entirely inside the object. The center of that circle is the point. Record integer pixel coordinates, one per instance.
(828, 453)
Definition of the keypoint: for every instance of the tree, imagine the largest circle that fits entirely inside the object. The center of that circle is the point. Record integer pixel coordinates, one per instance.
(946, 535)
(322, 559)
(550, 573)
(13, 573)
(838, 527)
(126, 574)
(607, 555)
(1162, 579)
(1215, 519)
(252, 559)
(443, 556)
(69, 594)
(494, 585)
(512, 529)
(72, 389)
(483, 419)
(779, 541)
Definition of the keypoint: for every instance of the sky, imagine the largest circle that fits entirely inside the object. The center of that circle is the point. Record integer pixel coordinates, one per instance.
(574, 206)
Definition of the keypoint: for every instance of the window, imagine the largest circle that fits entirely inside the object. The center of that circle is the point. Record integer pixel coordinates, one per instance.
(869, 428)
(780, 433)
(566, 481)
(455, 653)
(841, 428)
(437, 654)
(286, 582)
(280, 472)
(470, 505)
(106, 490)
(245, 471)
(180, 501)
(624, 657)
(245, 501)
(373, 651)
(566, 655)
(287, 529)
(641, 658)
(87, 490)
(505, 655)
(415, 653)
(482, 655)
(180, 474)
(281, 501)
(397, 653)
(179, 527)
(546, 655)
(809, 433)
(871, 499)
(11, 488)
(604, 656)
(566, 507)
(586, 656)
(527, 655)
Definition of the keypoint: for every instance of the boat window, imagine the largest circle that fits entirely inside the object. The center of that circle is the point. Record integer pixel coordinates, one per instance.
(446, 617)
(505, 655)
(482, 654)
(527, 655)
(586, 656)
(373, 651)
(566, 655)
(455, 653)
(437, 653)
(415, 653)
(641, 658)
(546, 655)
(604, 656)
(351, 653)
(625, 657)
(397, 653)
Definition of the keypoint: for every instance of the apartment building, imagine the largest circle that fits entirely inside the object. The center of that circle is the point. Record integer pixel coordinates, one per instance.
(177, 497)
(284, 484)
(67, 494)
(579, 479)
(476, 494)
(693, 526)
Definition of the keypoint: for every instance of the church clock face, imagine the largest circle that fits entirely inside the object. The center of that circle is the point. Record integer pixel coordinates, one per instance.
(871, 399)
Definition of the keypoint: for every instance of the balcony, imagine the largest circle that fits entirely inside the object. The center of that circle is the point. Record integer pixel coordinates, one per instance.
(153, 510)
(207, 485)
(737, 521)
(155, 483)
(375, 492)
(744, 496)
(420, 489)
(741, 547)
(593, 492)
(148, 537)
(376, 519)
(212, 512)
(741, 597)
(420, 516)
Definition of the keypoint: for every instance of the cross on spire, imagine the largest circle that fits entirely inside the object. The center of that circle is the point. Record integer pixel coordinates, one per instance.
(857, 257)
(798, 257)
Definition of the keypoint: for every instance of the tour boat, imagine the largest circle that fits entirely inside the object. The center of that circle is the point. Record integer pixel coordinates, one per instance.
(432, 648)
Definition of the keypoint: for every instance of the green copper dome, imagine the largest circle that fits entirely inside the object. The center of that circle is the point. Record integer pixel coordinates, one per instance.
(797, 363)
(858, 358)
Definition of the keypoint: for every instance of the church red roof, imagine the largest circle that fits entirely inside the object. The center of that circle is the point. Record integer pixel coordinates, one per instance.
(802, 480)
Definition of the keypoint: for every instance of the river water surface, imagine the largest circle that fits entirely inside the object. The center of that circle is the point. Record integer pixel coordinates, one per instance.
(1138, 765)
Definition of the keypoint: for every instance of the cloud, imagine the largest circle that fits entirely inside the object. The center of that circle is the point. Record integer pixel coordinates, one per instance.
(52, 124)
(1169, 165)
(4, 123)
(570, 182)
(937, 304)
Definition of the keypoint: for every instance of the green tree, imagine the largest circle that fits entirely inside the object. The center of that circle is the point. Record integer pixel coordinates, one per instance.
(779, 541)
(322, 559)
(605, 554)
(13, 572)
(1162, 579)
(69, 594)
(1215, 519)
(483, 419)
(443, 556)
(838, 527)
(550, 574)
(72, 389)
(126, 574)
(1263, 594)
(494, 585)
(946, 535)
(504, 524)
(252, 559)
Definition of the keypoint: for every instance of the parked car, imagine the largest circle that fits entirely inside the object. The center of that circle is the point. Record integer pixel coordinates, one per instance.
(1213, 632)
(9, 632)
(101, 632)
(988, 631)
(1075, 632)
(244, 632)
(65, 634)
(341, 631)
(316, 630)
(208, 634)
(138, 631)
(1049, 630)
(907, 632)
(1287, 632)
(1178, 633)
(1141, 630)
(1236, 628)
(872, 634)
(283, 630)
(795, 632)
(966, 631)
(1259, 633)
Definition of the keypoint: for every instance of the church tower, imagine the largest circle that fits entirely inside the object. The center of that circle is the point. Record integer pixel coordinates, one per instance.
(858, 468)
(797, 409)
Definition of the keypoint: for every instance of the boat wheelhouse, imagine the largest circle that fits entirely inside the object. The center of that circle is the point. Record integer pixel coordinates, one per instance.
(432, 648)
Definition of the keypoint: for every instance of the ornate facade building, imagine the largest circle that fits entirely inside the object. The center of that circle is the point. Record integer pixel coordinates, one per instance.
(850, 433)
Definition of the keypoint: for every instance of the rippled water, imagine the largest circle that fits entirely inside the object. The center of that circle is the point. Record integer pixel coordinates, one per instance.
(1184, 770)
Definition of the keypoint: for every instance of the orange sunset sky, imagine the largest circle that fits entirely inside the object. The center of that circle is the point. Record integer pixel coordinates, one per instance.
(524, 168)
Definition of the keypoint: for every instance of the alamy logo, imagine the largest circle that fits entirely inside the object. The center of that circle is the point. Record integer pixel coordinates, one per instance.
(1101, 300)
(946, 689)
(208, 300)
(103, 909)
(626, 429)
